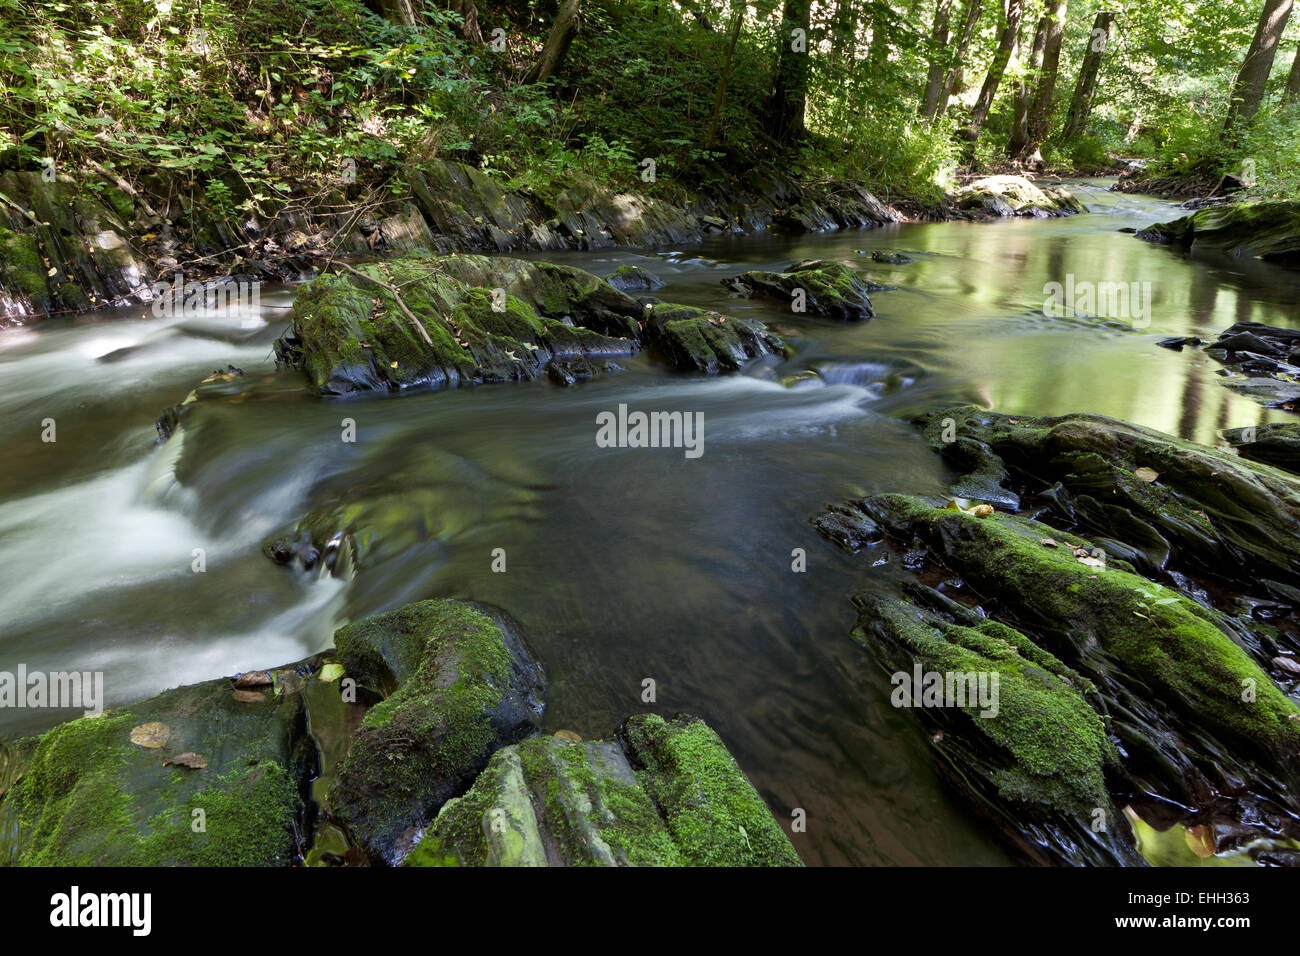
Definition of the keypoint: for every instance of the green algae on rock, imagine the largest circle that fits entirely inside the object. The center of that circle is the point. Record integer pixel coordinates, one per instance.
(698, 340)
(458, 682)
(667, 793)
(1267, 230)
(1213, 510)
(816, 287)
(89, 796)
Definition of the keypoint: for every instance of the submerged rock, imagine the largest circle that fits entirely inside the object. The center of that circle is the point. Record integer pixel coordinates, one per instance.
(1264, 230)
(666, 793)
(458, 682)
(830, 289)
(1016, 196)
(202, 775)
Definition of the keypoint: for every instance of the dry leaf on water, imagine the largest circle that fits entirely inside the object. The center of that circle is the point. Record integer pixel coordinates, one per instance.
(1200, 840)
(191, 760)
(152, 735)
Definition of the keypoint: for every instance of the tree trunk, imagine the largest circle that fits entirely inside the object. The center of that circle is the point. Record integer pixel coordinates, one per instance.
(720, 99)
(789, 97)
(557, 43)
(1040, 107)
(1248, 90)
(1020, 123)
(401, 12)
(469, 28)
(938, 56)
(1076, 120)
(953, 81)
(1015, 10)
(1292, 91)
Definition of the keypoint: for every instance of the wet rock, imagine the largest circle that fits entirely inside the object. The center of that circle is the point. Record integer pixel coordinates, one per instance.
(1002, 196)
(1177, 342)
(665, 793)
(891, 258)
(1222, 515)
(1264, 230)
(694, 339)
(352, 334)
(634, 279)
(89, 795)
(1276, 444)
(848, 527)
(829, 289)
(1035, 746)
(458, 682)
(170, 420)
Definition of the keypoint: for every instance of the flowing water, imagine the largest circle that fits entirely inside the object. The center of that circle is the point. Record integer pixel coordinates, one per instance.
(624, 564)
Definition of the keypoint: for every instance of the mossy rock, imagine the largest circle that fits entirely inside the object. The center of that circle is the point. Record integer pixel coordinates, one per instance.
(1263, 230)
(1111, 624)
(89, 796)
(1015, 196)
(1041, 757)
(1161, 498)
(667, 793)
(694, 339)
(350, 334)
(634, 279)
(458, 682)
(829, 289)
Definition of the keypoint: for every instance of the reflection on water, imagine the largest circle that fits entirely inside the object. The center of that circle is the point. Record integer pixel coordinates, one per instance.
(624, 563)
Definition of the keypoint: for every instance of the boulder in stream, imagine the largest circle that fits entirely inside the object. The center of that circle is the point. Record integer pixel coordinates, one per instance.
(816, 286)
(1005, 196)
(699, 340)
(1267, 230)
(666, 792)
(458, 682)
(209, 774)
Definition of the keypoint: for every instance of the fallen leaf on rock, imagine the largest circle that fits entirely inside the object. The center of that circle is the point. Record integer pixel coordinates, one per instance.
(982, 511)
(331, 672)
(249, 696)
(1288, 664)
(1200, 840)
(253, 679)
(1146, 474)
(192, 760)
(1048, 542)
(152, 735)
(566, 735)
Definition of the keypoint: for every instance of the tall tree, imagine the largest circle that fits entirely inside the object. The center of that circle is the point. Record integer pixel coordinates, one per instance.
(953, 81)
(790, 93)
(1011, 17)
(720, 95)
(1248, 89)
(938, 57)
(557, 43)
(1040, 107)
(1292, 91)
(1076, 119)
(1020, 122)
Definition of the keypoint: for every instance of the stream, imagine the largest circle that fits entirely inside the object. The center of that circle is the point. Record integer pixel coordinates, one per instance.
(623, 564)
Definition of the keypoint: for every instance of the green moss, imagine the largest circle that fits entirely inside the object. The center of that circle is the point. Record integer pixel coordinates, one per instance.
(1168, 642)
(20, 260)
(715, 816)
